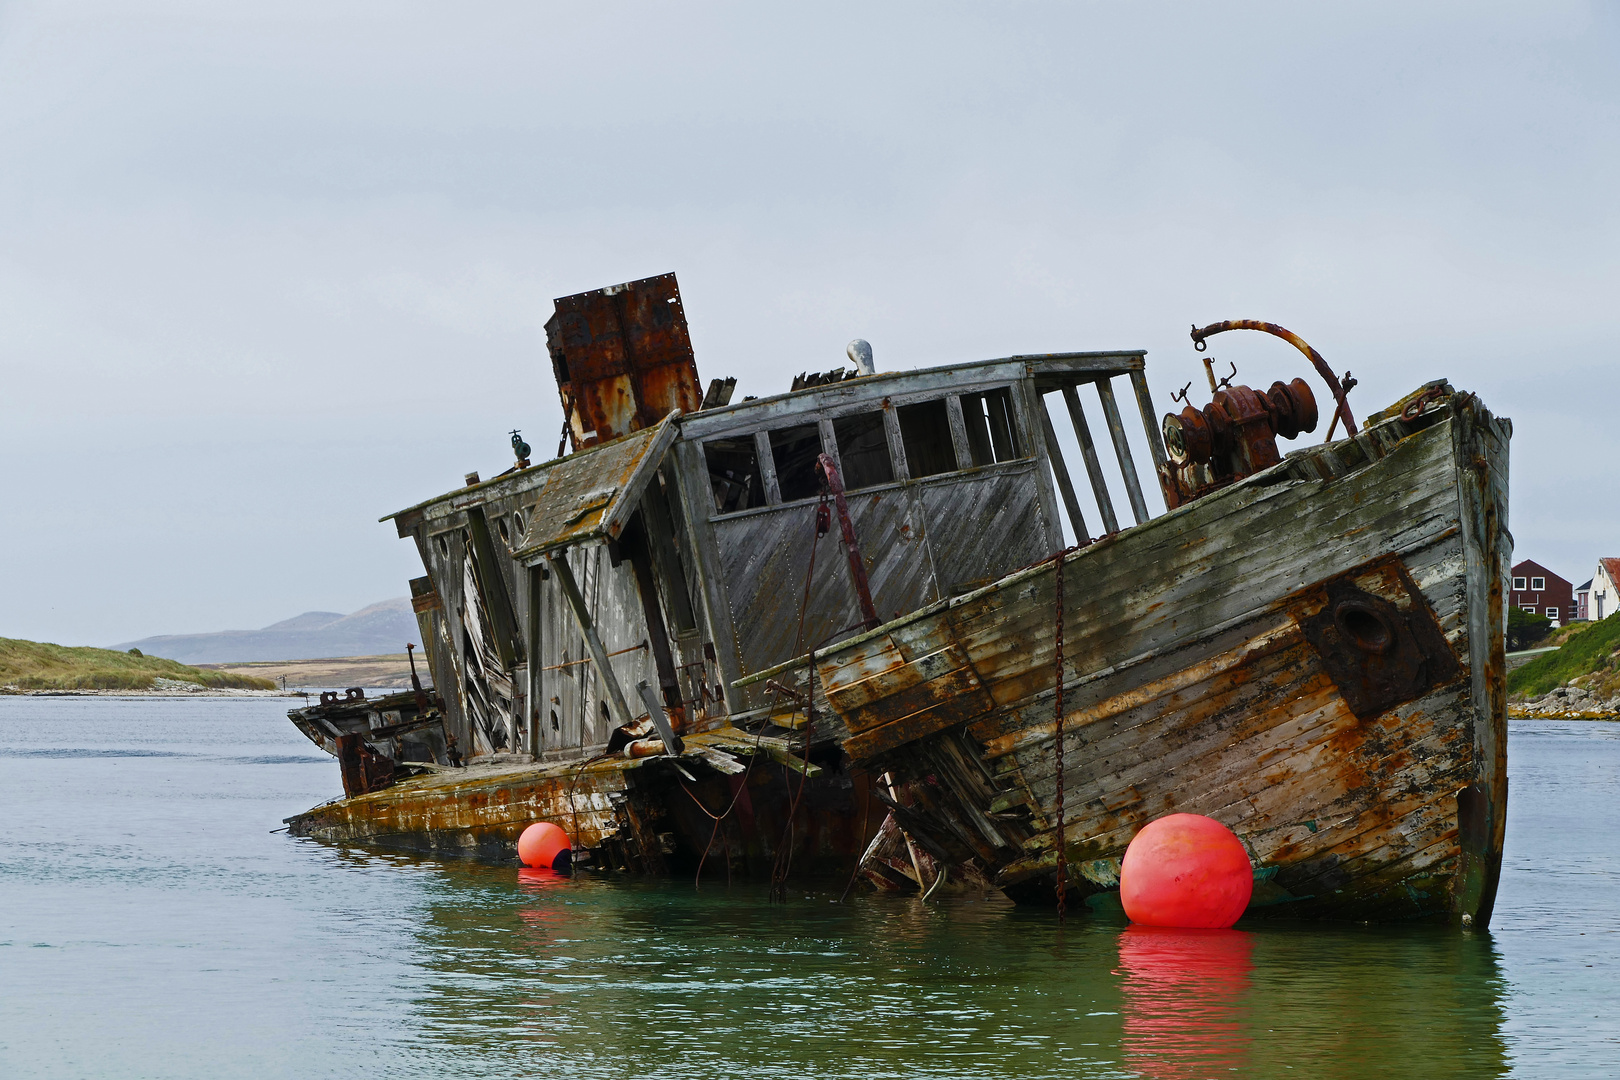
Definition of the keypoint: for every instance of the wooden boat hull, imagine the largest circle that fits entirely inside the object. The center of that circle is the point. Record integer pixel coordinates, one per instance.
(1313, 656)
(652, 815)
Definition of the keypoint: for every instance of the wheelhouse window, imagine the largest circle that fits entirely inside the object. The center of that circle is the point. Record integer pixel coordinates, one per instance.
(925, 432)
(863, 451)
(794, 451)
(992, 434)
(734, 474)
(1537, 584)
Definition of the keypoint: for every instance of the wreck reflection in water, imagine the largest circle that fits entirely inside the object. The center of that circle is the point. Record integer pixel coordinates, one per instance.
(596, 977)
(159, 904)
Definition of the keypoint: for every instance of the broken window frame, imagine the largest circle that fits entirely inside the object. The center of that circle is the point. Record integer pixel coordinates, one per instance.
(991, 419)
(1013, 439)
(749, 489)
(800, 482)
(863, 466)
(908, 443)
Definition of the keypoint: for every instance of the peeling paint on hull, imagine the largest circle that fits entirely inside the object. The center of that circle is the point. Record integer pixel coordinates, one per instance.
(1199, 678)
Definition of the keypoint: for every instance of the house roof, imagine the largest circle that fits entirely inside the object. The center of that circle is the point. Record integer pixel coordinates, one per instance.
(1611, 567)
(1585, 588)
(1527, 568)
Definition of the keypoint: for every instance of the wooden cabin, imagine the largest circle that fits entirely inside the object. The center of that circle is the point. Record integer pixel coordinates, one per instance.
(666, 556)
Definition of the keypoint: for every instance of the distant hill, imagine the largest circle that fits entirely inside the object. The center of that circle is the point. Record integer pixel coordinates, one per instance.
(380, 629)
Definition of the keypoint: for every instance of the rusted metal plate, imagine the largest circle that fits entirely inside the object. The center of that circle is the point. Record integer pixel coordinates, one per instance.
(623, 358)
(591, 495)
(1381, 647)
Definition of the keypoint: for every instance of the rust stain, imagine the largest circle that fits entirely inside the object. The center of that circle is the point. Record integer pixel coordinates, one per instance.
(590, 495)
(623, 358)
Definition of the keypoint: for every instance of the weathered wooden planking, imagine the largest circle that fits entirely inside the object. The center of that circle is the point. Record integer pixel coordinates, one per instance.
(945, 701)
(480, 810)
(764, 558)
(981, 530)
(1481, 452)
(1253, 731)
(903, 688)
(1112, 616)
(1337, 774)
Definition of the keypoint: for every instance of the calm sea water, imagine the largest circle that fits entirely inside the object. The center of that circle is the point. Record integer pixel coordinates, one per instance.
(151, 925)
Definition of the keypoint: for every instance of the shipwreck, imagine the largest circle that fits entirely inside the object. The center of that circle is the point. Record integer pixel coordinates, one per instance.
(841, 631)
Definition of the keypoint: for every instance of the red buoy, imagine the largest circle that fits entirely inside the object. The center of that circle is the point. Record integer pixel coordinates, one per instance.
(541, 844)
(1185, 870)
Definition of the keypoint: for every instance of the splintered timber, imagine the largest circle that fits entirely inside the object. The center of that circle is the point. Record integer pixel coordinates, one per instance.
(839, 631)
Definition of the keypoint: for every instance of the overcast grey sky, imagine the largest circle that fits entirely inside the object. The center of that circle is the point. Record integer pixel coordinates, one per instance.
(270, 271)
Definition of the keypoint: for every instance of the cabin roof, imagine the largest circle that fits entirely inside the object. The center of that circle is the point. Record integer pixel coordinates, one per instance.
(1056, 369)
(591, 496)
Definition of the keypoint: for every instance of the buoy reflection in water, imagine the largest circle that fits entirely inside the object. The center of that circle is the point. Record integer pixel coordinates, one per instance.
(1183, 1002)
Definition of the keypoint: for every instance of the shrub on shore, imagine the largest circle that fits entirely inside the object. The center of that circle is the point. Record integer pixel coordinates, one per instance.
(1586, 654)
(36, 665)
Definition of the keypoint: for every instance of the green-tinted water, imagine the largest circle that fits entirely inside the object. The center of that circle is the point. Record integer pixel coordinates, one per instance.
(150, 925)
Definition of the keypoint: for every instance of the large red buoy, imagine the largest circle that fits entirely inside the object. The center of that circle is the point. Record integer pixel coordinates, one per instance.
(1185, 870)
(541, 845)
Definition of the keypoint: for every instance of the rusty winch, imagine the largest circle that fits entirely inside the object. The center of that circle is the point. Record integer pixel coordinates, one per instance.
(1236, 434)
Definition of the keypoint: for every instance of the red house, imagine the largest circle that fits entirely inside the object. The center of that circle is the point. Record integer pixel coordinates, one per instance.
(1537, 589)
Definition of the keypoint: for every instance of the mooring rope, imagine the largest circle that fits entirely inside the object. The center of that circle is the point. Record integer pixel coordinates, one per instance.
(721, 817)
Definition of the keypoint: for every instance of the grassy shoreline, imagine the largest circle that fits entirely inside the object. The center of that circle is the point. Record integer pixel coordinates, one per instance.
(35, 666)
(1586, 656)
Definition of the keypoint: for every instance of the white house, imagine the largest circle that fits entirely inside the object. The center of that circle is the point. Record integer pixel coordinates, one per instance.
(1604, 599)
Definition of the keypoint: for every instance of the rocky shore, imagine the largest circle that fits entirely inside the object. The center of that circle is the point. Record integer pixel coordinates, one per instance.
(1571, 702)
(159, 688)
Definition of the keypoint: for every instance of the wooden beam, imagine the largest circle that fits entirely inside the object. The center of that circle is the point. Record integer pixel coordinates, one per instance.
(697, 506)
(959, 439)
(1088, 450)
(655, 514)
(766, 461)
(672, 743)
(1127, 466)
(652, 614)
(897, 442)
(829, 443)
(599, 657)
(536, 687)
(1144, 404)
(1155, 434)
(487, 572)
(1060, 469)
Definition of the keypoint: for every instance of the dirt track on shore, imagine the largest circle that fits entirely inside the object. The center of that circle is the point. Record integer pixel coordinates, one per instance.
(386, 672)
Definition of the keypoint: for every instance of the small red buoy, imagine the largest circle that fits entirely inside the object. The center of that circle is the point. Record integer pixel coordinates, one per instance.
(1185, 870)
(541, 845)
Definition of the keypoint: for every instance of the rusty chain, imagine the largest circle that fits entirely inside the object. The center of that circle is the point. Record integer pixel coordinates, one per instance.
(1062, 856)
(1416, 407)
